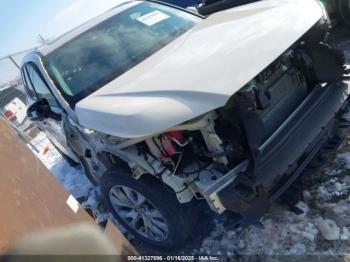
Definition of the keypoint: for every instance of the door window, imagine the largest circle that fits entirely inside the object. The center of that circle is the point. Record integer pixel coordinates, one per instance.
(39, 86)
(27, 84)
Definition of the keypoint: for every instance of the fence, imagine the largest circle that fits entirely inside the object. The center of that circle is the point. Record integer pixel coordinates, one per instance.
(13, 102)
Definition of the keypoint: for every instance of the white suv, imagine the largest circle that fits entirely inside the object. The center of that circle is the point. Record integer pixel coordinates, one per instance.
(165, 108)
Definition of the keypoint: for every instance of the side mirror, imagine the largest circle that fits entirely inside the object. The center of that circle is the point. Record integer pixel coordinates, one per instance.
(41, 110)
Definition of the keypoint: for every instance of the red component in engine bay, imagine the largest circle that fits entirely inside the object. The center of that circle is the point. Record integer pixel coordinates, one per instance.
(176, 135)
(163, 147)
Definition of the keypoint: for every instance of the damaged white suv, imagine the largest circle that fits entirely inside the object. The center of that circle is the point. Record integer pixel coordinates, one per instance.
(166, 109)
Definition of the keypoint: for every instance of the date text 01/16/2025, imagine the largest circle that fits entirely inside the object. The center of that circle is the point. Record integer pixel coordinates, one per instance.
(173, 258)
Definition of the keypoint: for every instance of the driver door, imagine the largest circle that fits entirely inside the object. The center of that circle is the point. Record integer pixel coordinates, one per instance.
(37, 89)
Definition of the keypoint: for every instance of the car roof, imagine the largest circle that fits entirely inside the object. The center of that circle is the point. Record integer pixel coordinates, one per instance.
(60, 41)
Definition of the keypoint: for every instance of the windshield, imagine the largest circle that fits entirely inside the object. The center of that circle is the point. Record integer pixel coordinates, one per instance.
(113, 47)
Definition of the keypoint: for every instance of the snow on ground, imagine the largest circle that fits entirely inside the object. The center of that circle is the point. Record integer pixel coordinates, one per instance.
(73, 179)
(323, 229)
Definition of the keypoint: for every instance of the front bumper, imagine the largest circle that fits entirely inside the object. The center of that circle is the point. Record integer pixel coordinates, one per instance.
(248, 190)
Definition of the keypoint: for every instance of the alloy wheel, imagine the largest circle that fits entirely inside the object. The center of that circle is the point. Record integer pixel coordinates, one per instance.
(139, 213)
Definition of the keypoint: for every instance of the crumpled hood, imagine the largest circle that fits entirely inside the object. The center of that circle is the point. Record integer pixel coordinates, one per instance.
(199, 71)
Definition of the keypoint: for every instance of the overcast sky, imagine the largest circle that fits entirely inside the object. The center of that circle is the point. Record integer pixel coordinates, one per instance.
(21, 21)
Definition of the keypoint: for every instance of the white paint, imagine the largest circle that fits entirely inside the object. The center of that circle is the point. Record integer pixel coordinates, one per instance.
(199, 71)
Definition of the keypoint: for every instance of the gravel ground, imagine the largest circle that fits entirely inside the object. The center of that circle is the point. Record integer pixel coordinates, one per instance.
(322, 231)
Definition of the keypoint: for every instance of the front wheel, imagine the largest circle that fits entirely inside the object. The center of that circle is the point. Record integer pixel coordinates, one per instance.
(146, 209)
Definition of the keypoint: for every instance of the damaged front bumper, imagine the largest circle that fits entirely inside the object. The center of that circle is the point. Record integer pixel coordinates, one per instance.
(249, 189)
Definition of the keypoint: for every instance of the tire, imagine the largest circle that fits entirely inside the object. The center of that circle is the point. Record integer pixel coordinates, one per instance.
(178, 218)
(88, 173)
(344, 11)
